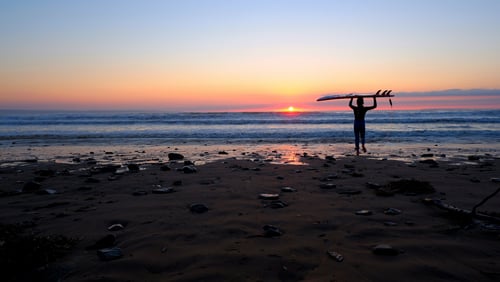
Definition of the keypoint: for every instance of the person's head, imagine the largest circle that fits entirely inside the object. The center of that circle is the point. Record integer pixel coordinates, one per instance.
(360, 101)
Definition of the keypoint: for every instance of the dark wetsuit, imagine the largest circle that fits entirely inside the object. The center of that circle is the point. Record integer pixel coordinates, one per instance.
(359, 122)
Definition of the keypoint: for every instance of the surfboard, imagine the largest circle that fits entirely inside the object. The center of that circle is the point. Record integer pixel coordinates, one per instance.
(385, 94)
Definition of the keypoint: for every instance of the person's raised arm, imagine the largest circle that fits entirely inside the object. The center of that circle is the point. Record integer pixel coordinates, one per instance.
(350, 104)
(374, 104)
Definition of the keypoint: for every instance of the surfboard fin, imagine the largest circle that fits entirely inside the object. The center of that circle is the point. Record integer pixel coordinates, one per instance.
(390, 102)
(378, 92)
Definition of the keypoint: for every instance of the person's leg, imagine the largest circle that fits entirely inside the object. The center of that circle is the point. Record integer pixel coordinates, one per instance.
(356, 136)
(362, 136)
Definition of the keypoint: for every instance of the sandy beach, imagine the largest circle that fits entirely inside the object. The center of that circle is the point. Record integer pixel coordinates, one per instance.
(340, 219)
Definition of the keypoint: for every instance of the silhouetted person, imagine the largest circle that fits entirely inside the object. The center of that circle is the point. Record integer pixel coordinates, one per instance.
(359, 121)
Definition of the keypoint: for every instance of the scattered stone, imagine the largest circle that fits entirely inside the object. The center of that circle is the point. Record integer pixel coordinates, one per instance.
(105, 169)
(207, 182)
(46, 192)
(177, 183)
(45, 172)
(223, 153)
(110, 254)
(107, 241)
(372, 185)
(349, 192)
(328, 186)
(115, 227)
(427, 155)
(189, 169)
(112, 178)
(266, 196)
(277, 204)
(336, 256)
(475, 180)
(31, 186)
(473, 158)
(330, 158)
(385, 250)
(406, 186)
(163, 190)
(430, 162)
(390, 223)
(140, 193)
(175, 157)
(392, 211)
(288, 189)
(271, 231)
(165, 168)
(133, 167)
(364, 212)
(92, 180)
(495, 179)
(357, 174)
(198, 208)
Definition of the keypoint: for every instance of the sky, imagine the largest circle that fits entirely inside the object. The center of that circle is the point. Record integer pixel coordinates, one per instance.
(247, 55)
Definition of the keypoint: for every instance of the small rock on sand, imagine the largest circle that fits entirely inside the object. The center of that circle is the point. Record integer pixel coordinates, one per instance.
(266, 196)
(198, 208)
(364, 212)
(110, 253)
(385, 250)
(271, 231)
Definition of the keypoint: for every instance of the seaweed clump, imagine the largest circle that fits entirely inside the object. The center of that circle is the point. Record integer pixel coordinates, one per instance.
(26, 256)
(407, 187)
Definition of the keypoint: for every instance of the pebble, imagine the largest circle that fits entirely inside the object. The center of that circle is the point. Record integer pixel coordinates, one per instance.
(115, 227)
(46, 192)
(328, 186)
(198, 208)
(189, 169)
(392, 211)
(105, 242)
(266, 196)
(163, 190)
(364, 212)
(336, 256)
(277, 204)
(110, 253)
(175, 156)
(288, 189)
(390, 223)
(348, 192)
(165, 168)
(385, 250)
(271, 231)
(31, 186)
(495, 179)
(140, 193)
(372, 185)
(133, 167)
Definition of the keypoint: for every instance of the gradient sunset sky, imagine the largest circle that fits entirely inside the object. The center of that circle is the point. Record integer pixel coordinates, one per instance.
(232, 55)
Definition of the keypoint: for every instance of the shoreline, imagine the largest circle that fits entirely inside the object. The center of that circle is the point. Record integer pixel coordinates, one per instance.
(162, 239)
(205, 152)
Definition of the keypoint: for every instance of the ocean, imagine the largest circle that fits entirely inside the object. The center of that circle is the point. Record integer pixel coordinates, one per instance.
(386, 130)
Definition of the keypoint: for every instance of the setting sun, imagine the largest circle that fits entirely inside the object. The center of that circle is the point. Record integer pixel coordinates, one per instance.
(291, 109)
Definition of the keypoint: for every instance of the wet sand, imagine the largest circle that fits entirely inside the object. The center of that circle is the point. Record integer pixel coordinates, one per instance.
(163, 240)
